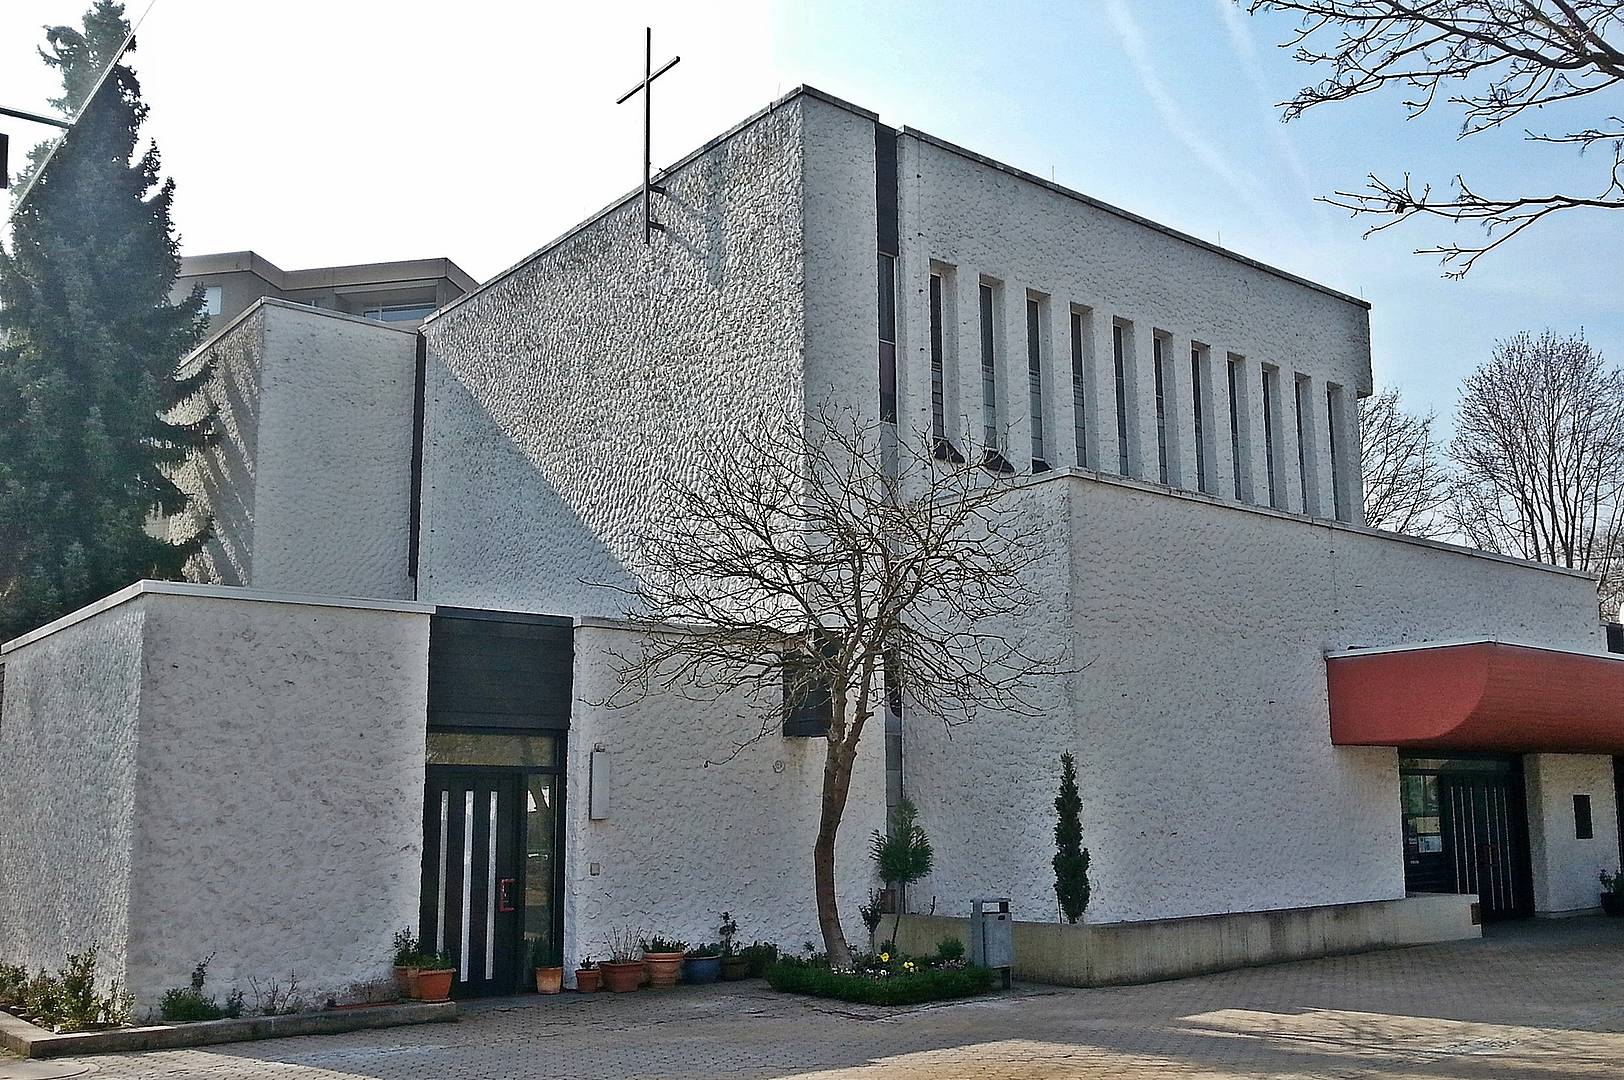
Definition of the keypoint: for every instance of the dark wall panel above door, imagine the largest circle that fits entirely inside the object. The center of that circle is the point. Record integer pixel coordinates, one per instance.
(501, 670)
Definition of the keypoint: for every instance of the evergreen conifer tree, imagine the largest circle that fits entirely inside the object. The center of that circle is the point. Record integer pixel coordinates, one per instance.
(1071, 857)
(89, 344)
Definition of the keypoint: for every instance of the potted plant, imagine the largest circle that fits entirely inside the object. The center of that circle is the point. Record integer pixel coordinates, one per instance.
(734, 965)
(549, 979)
(663, 958)
(434, 977)
(406, 961)
(587, 976)
(1612, 893)
(623, 971)
(702, 964)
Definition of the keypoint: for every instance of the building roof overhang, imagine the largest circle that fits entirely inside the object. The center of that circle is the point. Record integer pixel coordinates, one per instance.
(1478, 695)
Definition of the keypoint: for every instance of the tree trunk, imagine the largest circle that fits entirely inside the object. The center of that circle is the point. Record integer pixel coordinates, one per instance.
(836, 785)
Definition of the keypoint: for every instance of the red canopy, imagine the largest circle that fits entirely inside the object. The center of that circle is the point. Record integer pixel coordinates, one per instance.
(1482, 695)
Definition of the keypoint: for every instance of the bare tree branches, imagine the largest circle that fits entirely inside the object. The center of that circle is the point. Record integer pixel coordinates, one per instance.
(1406, 478)
(1539, 442)
(1492, 59)
(831, 558)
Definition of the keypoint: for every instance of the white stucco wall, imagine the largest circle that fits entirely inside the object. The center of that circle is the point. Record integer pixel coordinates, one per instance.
(683, 842)
(68, 730)
(1201, 725)
(279, 813)
(978, 220)
(1566, 868)
(309, 480)
(560, 396)
(190, 773)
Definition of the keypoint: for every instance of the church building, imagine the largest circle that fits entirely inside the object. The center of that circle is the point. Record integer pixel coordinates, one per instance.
(379, 702)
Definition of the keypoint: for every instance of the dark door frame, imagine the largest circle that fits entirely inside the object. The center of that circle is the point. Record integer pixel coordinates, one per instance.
(1520, 862)
(517, 775)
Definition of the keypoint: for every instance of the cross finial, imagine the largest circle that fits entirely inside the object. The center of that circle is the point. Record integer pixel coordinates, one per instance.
(647, 89)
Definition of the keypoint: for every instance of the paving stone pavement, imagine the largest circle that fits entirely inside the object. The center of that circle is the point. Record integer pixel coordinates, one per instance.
(1539, 1000)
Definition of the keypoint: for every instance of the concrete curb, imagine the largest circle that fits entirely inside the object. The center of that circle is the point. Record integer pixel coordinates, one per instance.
(26, 1040)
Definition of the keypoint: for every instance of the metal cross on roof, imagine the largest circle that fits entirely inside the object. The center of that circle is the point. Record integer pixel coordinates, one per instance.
(647, 89)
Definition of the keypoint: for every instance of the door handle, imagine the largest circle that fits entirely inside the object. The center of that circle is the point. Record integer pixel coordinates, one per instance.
(504, 895)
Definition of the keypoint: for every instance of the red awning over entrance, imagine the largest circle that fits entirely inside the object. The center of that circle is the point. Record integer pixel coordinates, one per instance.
(1483, 695)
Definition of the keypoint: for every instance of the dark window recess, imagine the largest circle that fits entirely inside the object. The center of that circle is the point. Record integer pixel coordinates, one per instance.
(1583, 827)
(989, 373)
(414, 523)
(1034, 379)
(5, 174)
(808, 701)
(1198, 377)
(499, 670)
(1615, 637)
(1161, 412)
(941, 446)
(1119, 356)
(885, 188)
(1235, 423)
(887, 275)
(1079, 399)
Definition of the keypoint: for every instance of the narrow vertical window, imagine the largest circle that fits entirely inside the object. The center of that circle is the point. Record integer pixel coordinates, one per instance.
(1034, 378)
(1271, 379)
(989, 372)
(1198, 398)
(1299, 401)
(938, 406)
(1119, 356)
(1079, 379)
(1161, 408)
(1235, 421)
(888, 338)
(1333, 443)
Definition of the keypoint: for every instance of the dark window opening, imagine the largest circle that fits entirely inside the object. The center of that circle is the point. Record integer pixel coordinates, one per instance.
(1079, 379)
(1235, 422)
(888, 338)
(1270, 389)
(1161, 411)
(1034, 378)
(989, 373)
(809, 705)
(1300, 404)
(1119, 355)
(1197, 403)
(1583, 827)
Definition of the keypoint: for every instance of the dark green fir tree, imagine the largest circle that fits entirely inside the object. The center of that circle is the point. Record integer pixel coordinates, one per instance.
(1071, 857)
(89, 344)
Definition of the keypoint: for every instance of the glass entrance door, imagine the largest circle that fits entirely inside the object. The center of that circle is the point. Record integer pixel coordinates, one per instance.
(1466, 831)
(492, 857)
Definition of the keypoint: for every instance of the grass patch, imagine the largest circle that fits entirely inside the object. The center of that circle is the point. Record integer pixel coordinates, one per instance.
(792, 975)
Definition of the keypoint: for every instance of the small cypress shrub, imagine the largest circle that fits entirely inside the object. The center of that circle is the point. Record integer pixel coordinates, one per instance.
(1071, 885)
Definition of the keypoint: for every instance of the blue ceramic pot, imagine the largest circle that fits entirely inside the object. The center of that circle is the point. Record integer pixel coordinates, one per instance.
(701, 969)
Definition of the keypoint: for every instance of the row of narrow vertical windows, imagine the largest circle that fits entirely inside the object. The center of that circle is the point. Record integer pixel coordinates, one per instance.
(995, 413)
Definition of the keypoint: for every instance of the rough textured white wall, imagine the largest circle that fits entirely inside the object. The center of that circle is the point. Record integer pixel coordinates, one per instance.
(221, 477)
(1200, 725)
(683, 842)
(68, 729)
(279, 810)
(562, 395)
(309, 482)
(1566, 868)
(333, 497)
(978, 221)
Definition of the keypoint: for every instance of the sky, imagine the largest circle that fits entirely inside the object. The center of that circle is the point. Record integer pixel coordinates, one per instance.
(320, 133)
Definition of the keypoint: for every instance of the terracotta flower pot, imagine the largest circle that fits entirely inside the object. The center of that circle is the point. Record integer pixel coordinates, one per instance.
(403, 979)
(586, 980)
(622, 978)
(434, 985)
(734, 968)
(549, 980)
(664, 968)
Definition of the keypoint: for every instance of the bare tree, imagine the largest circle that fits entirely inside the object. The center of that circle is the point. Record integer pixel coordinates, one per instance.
(1406, 477)
(802, 570)
(1492, 59)
(1539, 441)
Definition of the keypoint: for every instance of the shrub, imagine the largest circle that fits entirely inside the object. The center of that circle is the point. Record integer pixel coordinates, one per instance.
(185, 1005)
(664, 945)
(406, 948)
(13, 979)
(949, 950)
(796, 976)
(40, 996)
(1071, 886)
(759, 958)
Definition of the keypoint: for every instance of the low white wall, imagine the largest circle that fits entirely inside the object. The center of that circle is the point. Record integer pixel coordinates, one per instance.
(279, 811)
(68, 730)
(1565, 867)
(682, 842)
(1201, 723)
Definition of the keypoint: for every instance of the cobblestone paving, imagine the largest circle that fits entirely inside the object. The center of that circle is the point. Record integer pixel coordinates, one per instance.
(1540, 1000)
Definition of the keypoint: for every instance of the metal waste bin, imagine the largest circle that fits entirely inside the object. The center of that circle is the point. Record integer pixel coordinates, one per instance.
(992, 943)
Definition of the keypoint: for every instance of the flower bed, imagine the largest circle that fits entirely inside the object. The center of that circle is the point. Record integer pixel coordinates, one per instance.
(881, 980)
